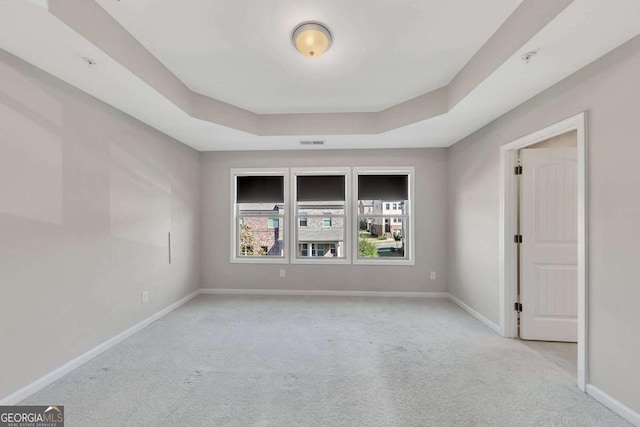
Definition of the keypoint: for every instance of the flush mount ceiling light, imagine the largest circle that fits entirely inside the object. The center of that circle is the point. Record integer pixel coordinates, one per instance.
(312, 39)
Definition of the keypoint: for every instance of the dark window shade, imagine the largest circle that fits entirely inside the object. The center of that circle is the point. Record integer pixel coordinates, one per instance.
(260, 189)
(383, 187)
(320, 188)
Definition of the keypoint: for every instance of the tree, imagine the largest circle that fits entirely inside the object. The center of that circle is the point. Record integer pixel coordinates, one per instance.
(248, 241)
(367, 249)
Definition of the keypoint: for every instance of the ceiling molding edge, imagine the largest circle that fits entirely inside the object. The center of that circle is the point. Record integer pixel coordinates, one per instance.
(526, 21)
(91, 21)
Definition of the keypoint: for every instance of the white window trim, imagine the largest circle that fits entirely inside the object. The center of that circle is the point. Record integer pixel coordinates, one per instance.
(384, 170)
(350, 217)
(293, 240)
(235, 258)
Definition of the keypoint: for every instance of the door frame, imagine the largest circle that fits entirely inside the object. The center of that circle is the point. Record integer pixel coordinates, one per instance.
(508, 228)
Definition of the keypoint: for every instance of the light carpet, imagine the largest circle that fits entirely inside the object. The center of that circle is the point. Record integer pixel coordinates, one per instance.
(321, 361)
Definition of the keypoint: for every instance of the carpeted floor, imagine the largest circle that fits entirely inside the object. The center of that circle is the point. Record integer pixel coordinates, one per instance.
(320, 361)
(563, 354)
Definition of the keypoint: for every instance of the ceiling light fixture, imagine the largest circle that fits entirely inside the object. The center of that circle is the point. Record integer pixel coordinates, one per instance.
(312, 39)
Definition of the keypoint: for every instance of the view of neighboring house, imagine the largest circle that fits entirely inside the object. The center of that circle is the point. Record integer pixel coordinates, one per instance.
(388, 225)
(320, 233)
(320, 227)
(259, 233)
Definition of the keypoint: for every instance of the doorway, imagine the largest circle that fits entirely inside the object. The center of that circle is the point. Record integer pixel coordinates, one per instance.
(543, 285)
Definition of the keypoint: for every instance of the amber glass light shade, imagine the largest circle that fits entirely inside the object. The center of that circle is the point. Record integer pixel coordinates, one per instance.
(312, 39)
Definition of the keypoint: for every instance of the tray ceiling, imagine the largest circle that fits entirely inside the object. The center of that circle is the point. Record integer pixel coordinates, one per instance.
(488, 80)
(384, 52)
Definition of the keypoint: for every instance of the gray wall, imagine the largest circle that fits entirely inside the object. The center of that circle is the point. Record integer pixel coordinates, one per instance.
(87, 196)
(430, 225)
(609, 90)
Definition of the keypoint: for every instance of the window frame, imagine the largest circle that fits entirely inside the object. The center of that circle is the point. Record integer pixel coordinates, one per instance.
(289, 216)
(284, 223)
(409, 260)
(293, 212)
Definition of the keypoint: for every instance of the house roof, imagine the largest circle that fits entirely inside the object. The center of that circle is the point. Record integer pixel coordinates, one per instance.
(319, 205)
(252, 208)
(306, 234)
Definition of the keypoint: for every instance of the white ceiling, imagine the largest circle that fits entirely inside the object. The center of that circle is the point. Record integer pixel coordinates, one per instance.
(578, 35)
(384, 52)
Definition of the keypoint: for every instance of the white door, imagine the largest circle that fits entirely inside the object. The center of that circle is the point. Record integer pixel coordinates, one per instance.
(549, 251)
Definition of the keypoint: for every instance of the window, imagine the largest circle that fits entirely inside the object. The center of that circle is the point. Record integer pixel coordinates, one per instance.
(320, 207)
(338, 215)
(384, 235)
(258, 213)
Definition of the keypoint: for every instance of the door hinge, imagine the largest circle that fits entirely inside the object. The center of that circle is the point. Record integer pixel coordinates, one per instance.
(518, 170)
(517, 307)
(517, 238)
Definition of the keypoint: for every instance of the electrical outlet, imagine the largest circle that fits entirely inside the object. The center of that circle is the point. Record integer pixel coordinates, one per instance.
(282, 272)
(145, 296)
(433, 275)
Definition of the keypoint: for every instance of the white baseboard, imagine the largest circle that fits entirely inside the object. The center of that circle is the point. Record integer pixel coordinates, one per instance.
(616, 406)
(475, 314)
(63, 370)
(324, 293)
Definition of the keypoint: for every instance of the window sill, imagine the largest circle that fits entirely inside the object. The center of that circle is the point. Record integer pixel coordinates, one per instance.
(259, 260)
(320, 261)
(399, 262)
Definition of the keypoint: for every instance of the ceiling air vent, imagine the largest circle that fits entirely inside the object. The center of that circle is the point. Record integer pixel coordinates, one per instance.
(311, 142)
